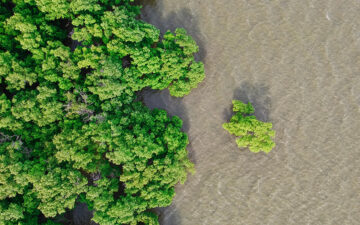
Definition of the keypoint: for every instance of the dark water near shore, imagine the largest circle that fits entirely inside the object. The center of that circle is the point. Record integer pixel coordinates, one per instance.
(298, 62)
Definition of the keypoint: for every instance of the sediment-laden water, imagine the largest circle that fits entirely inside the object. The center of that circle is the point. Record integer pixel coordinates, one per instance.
(298, 62)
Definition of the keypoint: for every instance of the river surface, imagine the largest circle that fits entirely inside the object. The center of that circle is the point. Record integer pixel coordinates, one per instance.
(298, 62)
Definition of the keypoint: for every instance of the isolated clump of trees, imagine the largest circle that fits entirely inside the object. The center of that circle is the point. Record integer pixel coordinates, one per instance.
(71, 129)
(252, 133)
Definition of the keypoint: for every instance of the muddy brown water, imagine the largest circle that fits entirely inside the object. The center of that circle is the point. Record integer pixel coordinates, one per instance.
(298, 62)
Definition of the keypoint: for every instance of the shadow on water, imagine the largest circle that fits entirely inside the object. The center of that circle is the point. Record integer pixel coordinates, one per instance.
(82, 215)
(163, 100)
(257, 94)
(185, 19)
(172, 216)
(174, 107)
(176, 19)
(179, 19)
(152, 13)
(79, 215)
(151, 3)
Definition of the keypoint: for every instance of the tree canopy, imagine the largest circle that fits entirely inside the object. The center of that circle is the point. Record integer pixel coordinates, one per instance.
(252, 133)
(71, 127)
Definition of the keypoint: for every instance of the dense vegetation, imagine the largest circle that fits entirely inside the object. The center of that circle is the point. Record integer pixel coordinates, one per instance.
(71, 128)
(253, 134)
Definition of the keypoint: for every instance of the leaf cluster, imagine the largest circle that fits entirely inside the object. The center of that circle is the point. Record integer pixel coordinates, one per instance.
(252, 133)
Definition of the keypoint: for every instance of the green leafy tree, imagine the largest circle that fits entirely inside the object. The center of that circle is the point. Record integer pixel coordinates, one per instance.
(147, 145)
(71, 128)
(10, 213)
(13, 166)
(252, 133)
(58, 190)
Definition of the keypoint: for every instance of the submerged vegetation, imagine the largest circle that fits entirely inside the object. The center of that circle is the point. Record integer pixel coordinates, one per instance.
(71, 128)
(252, 133)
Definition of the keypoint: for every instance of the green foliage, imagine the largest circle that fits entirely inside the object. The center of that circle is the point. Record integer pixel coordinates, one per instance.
(179, 69)
(147, 145)
(53, 9)
(58, 190)
(13, 167)
(71, 129)
(253, 134)
(12, 212)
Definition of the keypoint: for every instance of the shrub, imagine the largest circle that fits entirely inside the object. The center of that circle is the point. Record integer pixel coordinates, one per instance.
(252, 133)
